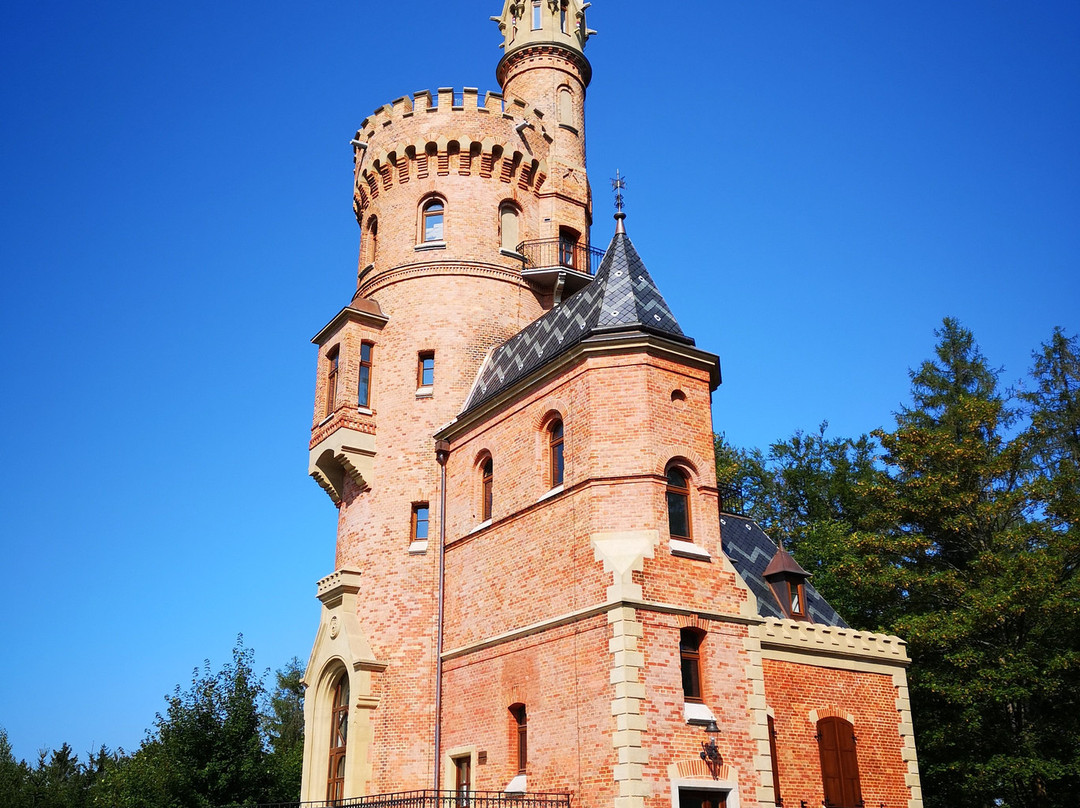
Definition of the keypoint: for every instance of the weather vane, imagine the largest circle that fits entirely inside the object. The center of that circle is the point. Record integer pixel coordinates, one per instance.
(618, 185)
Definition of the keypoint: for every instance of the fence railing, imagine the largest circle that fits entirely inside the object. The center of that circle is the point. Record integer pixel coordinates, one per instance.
(437, 799)
(554, 252)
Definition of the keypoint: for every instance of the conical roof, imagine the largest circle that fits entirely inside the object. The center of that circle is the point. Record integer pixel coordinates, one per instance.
(622, 297)
(784, 562)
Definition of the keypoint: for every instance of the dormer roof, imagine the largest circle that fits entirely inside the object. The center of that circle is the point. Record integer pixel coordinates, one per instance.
(783, 563)
(621, 298)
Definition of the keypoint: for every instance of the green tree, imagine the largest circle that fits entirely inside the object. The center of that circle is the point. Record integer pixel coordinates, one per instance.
(284, 728)
(13, 775)
(979, 605)
(206, 750)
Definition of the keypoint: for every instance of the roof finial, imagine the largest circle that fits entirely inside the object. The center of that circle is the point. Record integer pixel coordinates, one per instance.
(618, 185)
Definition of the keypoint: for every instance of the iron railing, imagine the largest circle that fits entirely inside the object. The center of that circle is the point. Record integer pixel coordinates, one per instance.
(438, 799)
(554, 252)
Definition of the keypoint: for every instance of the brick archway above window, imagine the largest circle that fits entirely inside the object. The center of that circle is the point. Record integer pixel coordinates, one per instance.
(830, 712)
(697, 769)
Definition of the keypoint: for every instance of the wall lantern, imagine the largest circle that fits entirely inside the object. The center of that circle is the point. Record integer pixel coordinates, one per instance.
(709, 753)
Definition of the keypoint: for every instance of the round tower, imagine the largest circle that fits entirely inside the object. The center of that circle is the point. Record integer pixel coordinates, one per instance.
(465, 239)
(544, 64)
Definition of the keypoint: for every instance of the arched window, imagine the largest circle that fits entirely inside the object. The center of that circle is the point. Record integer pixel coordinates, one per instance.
(371, 249)
(690, 658)
(566, 105)
(839, 763)
(678, 503)
(432, 221)
(521, 744)
(555, 452)
(486, 476)
(339, 727)
(509, 231)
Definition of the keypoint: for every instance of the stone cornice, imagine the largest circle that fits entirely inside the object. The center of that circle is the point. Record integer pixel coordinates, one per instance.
(478, 269)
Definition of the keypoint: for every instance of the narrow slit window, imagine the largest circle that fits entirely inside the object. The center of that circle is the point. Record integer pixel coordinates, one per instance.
(555, 452)
(339, 726)
(486, 477)
(331, 380)
(775, 762)
(536, 15)
(363, 398)
(521, 737)
(690, 658)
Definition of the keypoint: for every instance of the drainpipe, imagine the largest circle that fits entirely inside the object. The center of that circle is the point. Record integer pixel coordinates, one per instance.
(442, 453)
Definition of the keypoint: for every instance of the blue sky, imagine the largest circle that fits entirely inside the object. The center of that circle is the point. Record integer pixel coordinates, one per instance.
(812, 185)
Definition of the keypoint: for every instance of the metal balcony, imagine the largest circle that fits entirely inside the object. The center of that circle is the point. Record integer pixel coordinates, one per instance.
(562, 265)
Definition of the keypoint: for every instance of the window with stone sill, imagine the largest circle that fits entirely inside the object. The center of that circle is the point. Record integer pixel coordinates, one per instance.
(363, 398)
(425, 369)
(556, 463)
(431, 226)
(420, 517)
(332, 364)
(678, 503)
(690, 640)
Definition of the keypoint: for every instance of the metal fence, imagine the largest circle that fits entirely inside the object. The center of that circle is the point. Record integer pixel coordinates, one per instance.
(436, 799)
(554, 252)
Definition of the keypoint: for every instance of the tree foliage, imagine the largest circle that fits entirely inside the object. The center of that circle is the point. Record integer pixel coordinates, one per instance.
(956, 529)
(222, 741)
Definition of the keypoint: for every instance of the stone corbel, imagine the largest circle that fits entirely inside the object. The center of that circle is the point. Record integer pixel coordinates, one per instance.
(344, 452)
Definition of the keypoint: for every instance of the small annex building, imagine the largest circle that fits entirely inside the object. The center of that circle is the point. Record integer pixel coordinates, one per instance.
(536, 598)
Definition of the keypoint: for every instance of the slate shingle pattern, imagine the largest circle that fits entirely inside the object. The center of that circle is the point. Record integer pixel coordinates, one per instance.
(622, 297)
(750, 550)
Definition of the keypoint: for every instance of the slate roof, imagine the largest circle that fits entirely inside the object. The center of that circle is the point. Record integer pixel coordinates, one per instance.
(751, 550)
(622, 297)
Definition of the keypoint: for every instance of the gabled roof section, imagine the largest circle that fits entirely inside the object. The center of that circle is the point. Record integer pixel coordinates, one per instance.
(750, 551)
(622, 297)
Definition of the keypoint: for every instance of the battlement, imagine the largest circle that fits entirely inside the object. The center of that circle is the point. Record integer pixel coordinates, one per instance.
(833, 640)
(447, 133)
(446, 100)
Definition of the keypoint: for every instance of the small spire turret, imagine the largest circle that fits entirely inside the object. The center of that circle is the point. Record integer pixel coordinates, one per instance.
(548, 22)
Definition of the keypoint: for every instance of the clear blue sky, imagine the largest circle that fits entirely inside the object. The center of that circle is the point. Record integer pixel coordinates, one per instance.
(812, 185)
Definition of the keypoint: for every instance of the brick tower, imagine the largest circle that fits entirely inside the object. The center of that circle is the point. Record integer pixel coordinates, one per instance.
(535, 591)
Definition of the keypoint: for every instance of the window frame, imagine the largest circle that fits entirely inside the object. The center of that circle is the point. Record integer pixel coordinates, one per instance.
(421, 358)
(333, 362)
(520, 737)
(569, 241)
(338, 753)
(487, 477)
(509, 208)
(556, 433)
(537, 15)
(363, 375)
(427, 211)
(370, 237)
(683, 493)
(690, 642)
(420, 509)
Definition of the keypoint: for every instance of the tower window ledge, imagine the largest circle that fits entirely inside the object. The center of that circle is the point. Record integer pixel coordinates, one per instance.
(418, 548)
(697, 713)
(556, 490)
(424, 392)
(511, 253)
(568, 127)
(687, 549)
(325, 420)
(481, 526)
(430, 245)
(365, 411)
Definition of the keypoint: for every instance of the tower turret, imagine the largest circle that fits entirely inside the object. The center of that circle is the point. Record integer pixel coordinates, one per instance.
(544, 65)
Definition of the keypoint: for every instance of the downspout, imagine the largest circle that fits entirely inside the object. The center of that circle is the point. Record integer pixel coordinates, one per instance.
(442, 453)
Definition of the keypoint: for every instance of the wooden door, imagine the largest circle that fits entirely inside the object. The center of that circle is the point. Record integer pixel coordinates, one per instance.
(839, 763)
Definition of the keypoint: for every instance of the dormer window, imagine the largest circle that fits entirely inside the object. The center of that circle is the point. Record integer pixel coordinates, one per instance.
(788, 582)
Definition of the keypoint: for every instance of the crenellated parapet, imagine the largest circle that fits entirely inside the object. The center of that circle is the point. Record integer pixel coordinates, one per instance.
(421, 137)
(802, 637)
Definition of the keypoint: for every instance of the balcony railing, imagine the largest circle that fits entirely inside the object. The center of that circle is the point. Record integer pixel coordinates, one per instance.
(438, 799)
(553, 252)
